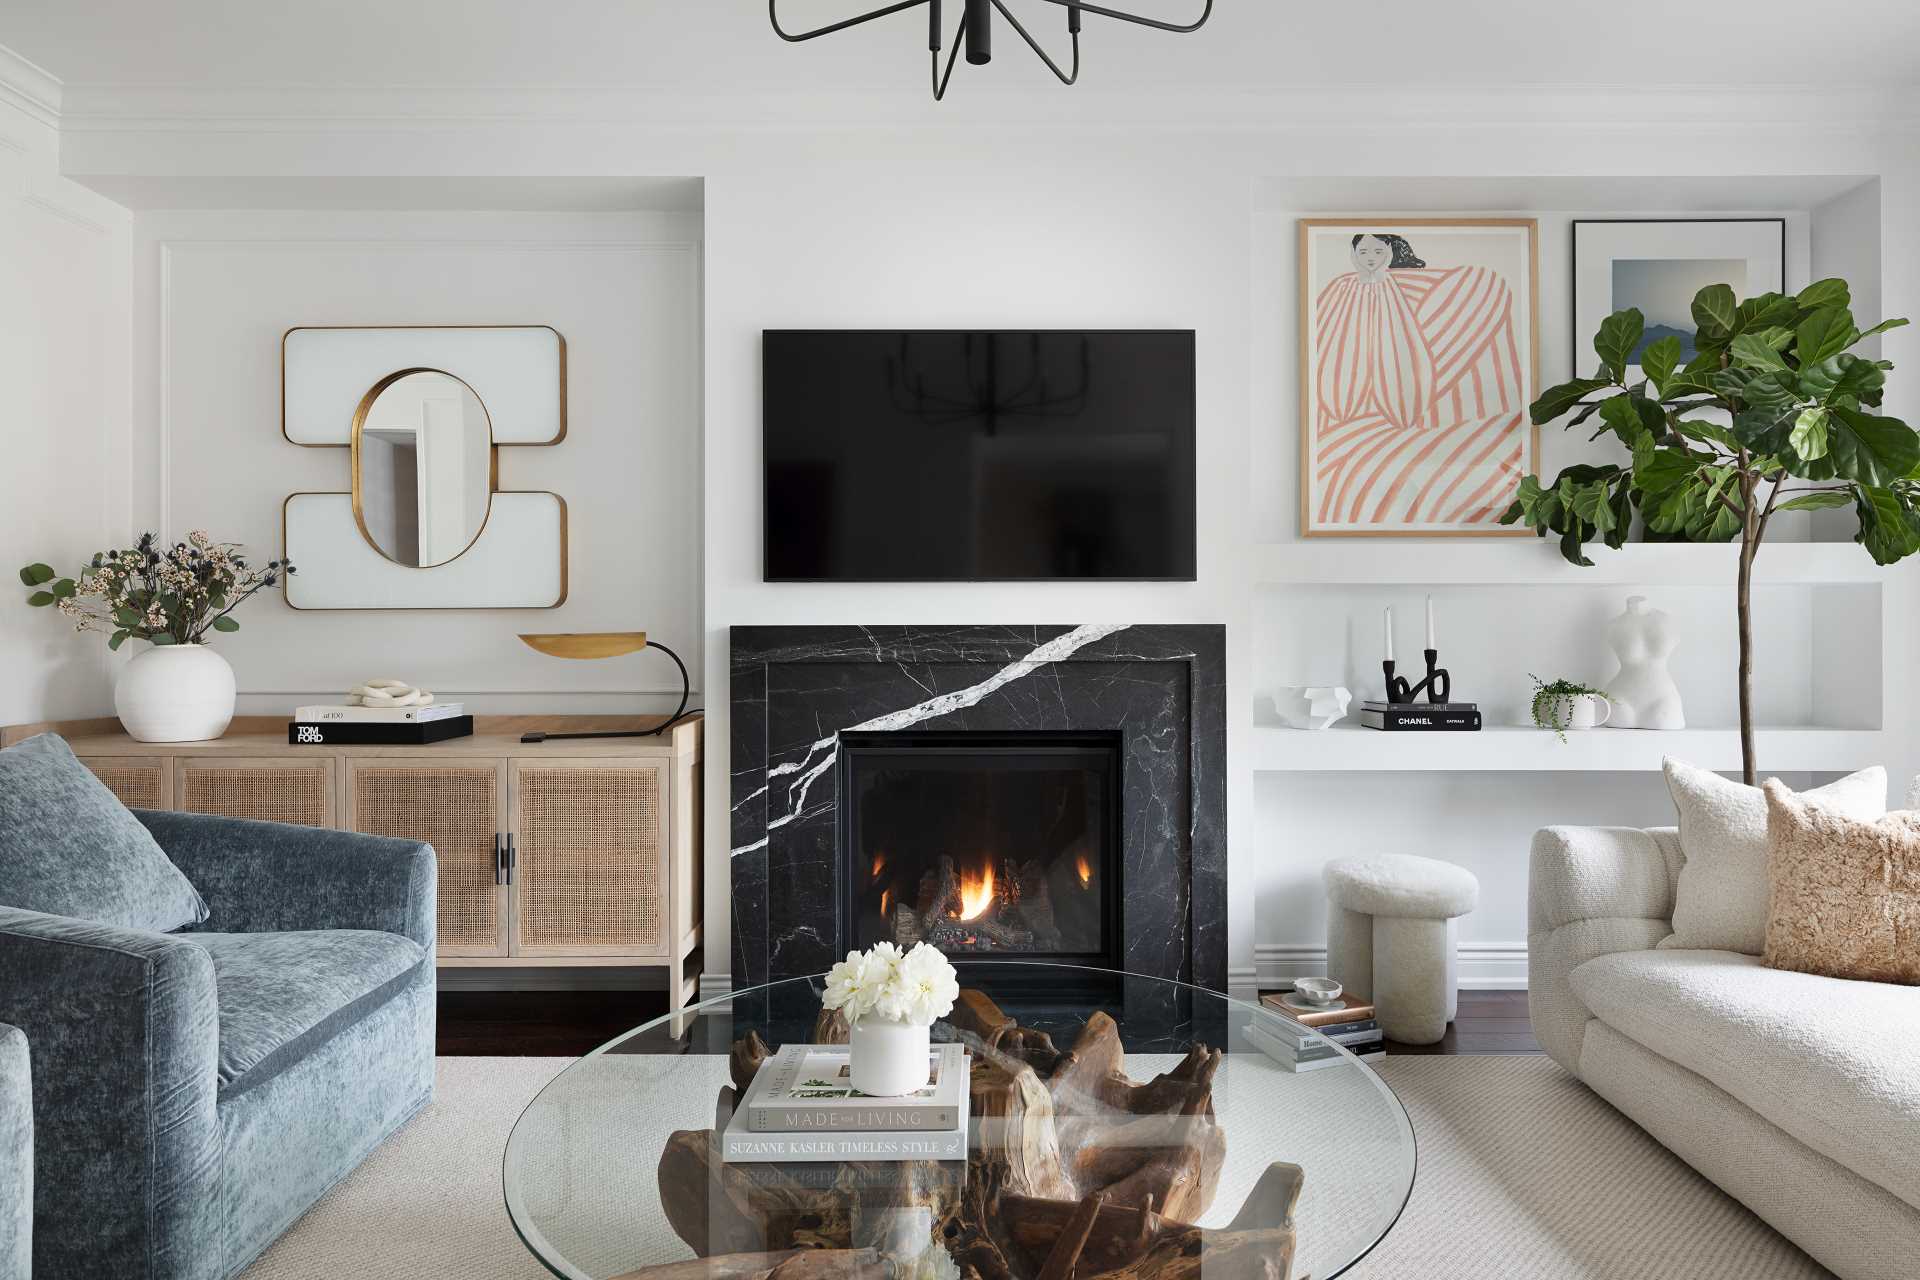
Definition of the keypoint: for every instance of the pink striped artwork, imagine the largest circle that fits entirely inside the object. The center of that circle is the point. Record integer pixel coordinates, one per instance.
(1417, 343)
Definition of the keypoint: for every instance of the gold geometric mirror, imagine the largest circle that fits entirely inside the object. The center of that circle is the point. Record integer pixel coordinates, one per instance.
(423, 467)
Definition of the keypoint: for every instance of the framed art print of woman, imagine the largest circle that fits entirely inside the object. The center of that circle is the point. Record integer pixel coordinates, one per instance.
(1418, 355)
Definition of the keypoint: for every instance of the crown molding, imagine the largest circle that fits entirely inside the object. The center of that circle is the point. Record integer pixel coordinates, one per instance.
(30, 89)
(133, 108)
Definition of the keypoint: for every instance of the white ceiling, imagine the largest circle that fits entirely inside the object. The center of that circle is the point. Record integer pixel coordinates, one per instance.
(726, 45)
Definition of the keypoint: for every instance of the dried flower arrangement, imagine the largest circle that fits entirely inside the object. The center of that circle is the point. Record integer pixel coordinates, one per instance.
(163, 595)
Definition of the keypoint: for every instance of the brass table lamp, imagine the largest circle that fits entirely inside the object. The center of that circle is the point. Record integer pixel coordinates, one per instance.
(607, 644)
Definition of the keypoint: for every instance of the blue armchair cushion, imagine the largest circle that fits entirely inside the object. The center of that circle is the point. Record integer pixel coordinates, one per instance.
(16, 1155)
(68, 847)
(283, 994)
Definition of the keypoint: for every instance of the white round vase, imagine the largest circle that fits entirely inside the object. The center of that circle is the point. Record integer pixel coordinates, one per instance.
(888, 1059)
(175, 693)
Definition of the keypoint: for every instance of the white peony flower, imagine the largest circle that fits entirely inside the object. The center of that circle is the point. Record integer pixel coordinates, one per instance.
(926, 987)
(917, 988)
(850, 986)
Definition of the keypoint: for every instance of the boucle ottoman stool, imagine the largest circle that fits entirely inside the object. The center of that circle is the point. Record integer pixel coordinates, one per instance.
(1390, 938)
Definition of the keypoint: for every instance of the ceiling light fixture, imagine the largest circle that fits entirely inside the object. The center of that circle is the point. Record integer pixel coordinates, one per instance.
(975, 32)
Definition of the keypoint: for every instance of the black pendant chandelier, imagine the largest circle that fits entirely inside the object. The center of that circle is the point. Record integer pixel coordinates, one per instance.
(975, 32)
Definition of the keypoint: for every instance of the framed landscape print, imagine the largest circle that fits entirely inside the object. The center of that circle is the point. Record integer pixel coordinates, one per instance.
(1658, 266)
(1418, 359)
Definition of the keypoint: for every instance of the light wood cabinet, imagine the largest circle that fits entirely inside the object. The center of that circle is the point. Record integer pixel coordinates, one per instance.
(579, 852)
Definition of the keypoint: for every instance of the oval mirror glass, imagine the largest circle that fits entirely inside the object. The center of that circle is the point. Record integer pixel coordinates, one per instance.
(422, 467)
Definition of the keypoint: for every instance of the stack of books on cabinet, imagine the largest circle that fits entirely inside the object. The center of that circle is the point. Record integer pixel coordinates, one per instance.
(802, 1106)
(1290, 1038)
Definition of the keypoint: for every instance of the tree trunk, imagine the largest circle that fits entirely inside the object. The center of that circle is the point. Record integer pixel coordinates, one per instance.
(1749, 546)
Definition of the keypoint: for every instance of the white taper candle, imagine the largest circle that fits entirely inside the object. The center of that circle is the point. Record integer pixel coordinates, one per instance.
(1387, 632)
(1430, 641)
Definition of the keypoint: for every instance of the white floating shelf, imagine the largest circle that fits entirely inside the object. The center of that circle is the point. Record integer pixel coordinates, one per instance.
(1348, 747)
(1534, 561)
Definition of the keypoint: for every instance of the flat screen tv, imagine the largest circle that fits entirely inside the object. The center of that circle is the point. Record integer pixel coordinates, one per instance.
(979, 456)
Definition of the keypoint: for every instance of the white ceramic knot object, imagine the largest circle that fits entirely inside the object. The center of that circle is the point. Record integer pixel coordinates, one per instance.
(1311, 706)
(388, 693)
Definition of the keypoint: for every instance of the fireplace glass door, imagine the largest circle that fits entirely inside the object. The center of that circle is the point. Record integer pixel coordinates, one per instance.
(984, 844)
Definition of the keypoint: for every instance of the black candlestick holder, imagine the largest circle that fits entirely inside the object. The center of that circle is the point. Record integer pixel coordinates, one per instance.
(1438, 686)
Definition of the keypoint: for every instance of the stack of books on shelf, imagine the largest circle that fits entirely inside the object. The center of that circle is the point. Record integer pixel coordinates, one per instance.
(1289, 1039)
(331, 725)
(802, 1106)
(1421, 717)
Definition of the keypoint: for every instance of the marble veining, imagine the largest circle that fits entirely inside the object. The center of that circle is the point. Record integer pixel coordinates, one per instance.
(796, 689)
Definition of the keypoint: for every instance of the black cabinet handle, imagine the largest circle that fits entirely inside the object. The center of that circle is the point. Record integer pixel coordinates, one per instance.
(513, 858)
(499, 861)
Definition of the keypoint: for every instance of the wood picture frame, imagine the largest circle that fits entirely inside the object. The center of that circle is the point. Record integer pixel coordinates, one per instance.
(1466, 325)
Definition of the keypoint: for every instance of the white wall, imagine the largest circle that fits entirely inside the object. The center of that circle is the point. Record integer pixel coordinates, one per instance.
(996, 212)
(218, 290)
(63, 409)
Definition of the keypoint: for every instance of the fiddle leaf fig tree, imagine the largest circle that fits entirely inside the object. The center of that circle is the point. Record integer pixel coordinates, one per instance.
(1773, 412)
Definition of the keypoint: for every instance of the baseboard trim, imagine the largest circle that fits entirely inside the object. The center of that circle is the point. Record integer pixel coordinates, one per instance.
(1483, 966)
(552, 979)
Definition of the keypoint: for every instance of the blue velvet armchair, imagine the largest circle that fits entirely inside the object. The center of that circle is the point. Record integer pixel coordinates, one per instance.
(195, 1092)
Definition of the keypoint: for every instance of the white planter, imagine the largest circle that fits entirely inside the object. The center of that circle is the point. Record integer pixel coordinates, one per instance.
(175, 693)
(888, 1059)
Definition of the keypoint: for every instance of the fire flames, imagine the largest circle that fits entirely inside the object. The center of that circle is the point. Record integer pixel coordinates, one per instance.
(976, 892)
(1084, 870)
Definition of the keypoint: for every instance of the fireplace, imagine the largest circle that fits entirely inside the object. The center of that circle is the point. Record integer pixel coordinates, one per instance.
(1057, 741)
(987, 845)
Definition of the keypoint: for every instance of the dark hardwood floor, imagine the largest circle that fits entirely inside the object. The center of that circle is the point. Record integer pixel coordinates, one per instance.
(565, 1024)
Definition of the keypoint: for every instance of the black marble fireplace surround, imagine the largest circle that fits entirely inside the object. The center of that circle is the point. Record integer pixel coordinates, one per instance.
(1160, 689)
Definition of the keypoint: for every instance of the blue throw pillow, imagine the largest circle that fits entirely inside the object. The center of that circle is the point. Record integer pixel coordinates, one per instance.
(68, 847)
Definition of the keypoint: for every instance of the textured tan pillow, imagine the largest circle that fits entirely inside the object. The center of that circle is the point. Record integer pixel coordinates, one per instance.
(1845, 893)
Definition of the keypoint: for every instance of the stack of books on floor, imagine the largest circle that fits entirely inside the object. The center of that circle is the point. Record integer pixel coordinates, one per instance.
(1289, 1039)
(802, 1106)
(331, 725)
(1421, 717)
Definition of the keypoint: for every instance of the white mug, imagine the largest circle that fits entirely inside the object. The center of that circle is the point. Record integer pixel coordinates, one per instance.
(1583, 713)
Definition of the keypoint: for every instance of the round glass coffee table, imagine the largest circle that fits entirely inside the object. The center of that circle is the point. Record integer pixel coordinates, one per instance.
(1122, 1127)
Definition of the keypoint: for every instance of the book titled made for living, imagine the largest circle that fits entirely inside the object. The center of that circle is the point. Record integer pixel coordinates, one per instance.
(808, 1089)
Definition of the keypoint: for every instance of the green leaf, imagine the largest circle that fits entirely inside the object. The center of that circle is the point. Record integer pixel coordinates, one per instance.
(225, 623)
(1818, 501)
(1619, 335)
(1715, 310)
(1889, 525)
(35, 574)
(1570, 549)
(1823, 334)
(1659, 359)
(1882, 327)
(1870, 449)
(126, 617)
(64, 589)
(1755, 352)
(1764, 311)
(1831, 292)
(117, 639)
(1714, 432)
(1809, 435)
(40, 599)
(1661, 471)
(1557, 400)
(1630, 417)
(1844, 377)
(160, 638)
(1767, 388)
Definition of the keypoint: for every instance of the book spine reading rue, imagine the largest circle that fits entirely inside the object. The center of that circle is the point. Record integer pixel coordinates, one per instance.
(809, 1147)
(876, 1119)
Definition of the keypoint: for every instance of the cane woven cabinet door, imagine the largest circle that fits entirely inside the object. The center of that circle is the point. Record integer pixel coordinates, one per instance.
(590, 857)
(303, 792)
(458, 807)
(140, 782)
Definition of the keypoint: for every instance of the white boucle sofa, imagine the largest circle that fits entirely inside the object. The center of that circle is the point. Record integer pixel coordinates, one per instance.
(1798, 1095)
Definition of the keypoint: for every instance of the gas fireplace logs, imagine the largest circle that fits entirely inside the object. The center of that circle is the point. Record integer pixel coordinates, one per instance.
(988, 911)
(1076, 1172)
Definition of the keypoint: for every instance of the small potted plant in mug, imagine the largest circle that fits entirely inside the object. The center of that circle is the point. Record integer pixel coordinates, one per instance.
(1561, 705)
(890, 999)
(179, 690)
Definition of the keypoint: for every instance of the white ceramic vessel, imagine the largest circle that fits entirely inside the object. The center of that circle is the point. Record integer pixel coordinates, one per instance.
(175, 693)
(888, 1059)
(1304, 706)
(1643, 693)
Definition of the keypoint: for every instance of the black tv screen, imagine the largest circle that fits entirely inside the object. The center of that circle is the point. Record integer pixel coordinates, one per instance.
(978, 456)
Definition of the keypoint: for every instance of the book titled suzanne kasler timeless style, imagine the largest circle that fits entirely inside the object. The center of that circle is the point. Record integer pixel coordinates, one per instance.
(807, 1090)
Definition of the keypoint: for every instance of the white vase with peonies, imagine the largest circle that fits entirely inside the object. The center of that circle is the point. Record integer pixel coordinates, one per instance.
(891, 1000)
(175, 693)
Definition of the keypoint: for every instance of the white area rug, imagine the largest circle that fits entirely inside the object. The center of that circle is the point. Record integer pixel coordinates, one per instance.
(1524, 1175)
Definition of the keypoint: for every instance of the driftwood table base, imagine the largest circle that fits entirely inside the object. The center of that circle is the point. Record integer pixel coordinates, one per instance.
(1077, 1172)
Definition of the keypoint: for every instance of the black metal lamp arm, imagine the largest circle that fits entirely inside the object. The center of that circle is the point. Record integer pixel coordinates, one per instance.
(1137, 19)
(686, 694)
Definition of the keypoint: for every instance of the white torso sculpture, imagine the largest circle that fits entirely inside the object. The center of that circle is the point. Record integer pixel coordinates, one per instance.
(1643, 693)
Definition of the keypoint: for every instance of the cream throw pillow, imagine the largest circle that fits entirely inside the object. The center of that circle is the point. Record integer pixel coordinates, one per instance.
(1846, 893)
(1720, 902)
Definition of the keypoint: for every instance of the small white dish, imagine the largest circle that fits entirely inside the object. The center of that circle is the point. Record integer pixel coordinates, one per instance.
(1316, 991)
